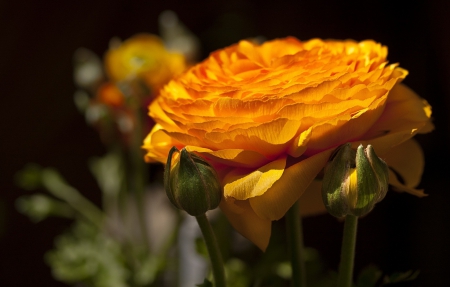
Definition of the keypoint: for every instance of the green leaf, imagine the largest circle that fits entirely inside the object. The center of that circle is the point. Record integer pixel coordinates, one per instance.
(39, 206)
(86, 255)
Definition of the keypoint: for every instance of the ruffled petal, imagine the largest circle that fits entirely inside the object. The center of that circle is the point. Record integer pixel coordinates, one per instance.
(405, 112)
(158, 143)
(276, 201)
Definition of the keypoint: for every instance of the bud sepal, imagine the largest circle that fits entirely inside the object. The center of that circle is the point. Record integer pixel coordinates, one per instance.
(354, 181)
(191, 183)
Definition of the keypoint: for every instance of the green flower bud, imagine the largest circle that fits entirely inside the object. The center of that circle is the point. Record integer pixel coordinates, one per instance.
(191, 183)
(354, 181)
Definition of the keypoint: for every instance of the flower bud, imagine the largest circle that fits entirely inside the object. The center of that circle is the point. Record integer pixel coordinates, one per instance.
(354, 181)
(191, 183)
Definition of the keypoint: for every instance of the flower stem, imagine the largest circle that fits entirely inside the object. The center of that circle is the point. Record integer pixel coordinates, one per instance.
(138, 170)
(213, 250)
(295, 246)
(348, 252)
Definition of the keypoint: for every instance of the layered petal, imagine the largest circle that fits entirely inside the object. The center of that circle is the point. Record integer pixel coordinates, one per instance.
(268, 116)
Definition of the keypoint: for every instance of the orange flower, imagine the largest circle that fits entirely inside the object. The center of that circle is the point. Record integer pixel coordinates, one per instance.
(109, 94)
(145, 56)
(268, 116)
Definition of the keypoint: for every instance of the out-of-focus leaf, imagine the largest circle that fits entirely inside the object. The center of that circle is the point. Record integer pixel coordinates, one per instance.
(29, 177)
(147, 271)
(87, 256)
(369, 276)
(238, 274)
(108, 171)
(57, 186)
(40, 206)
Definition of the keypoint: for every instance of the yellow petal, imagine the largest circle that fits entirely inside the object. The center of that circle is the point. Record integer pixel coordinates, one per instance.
(269, 139)
(345, 128)
(158, 143)
(398, 186)
(276, 201)
(405, 111)
(242, 184)
(275, 132)
(246, 222)
(407, 160)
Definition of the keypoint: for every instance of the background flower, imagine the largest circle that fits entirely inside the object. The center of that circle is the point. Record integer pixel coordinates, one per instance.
(268, 116)
(143, 56)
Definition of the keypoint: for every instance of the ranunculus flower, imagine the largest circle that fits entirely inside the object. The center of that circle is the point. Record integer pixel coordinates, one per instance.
(144, 56)
(268, 116)
(109, 94)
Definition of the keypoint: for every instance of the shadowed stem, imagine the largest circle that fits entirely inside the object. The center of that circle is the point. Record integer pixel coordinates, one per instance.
(348, 251)
(295, 246)
(138, 175)
(213, 251)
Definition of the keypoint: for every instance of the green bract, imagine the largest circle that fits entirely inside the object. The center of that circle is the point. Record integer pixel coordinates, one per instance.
(191, 183)
(354, 181)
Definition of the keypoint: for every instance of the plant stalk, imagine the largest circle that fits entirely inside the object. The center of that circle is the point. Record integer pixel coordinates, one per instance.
(213, 251)
(348, 251)
(295, 246)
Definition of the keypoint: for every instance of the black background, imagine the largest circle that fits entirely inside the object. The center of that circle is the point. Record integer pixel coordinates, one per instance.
(39, 122)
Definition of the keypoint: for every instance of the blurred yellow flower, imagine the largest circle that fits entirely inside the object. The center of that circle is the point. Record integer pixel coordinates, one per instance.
(268, 116)
(144, 56)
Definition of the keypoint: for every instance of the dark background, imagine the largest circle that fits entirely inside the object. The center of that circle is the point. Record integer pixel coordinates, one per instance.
(39, 122)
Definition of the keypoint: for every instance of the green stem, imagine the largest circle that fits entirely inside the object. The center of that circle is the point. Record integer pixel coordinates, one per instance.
(213, 251)
(348, 251)
(138, 167)
(295, 246)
